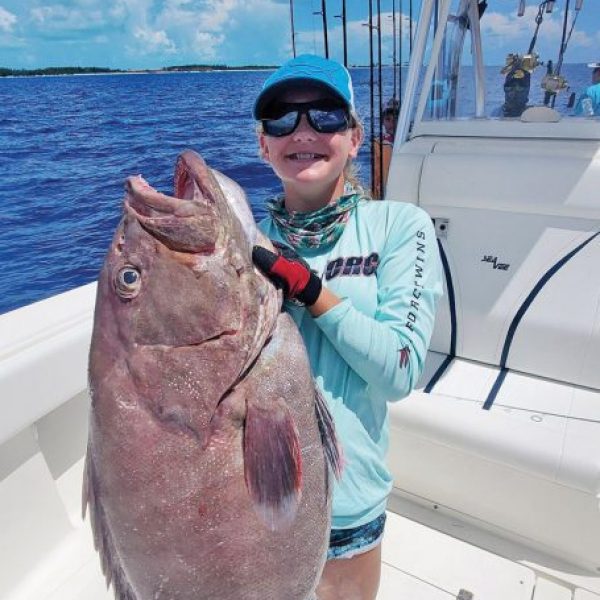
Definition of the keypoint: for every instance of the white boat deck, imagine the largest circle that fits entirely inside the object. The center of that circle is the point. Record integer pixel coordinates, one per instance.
(420, 562)
(429, 551)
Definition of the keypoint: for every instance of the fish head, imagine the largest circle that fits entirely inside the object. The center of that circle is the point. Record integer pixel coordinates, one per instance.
(179, 293)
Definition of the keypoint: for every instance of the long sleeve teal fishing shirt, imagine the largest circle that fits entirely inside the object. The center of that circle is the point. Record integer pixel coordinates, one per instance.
(370, 349)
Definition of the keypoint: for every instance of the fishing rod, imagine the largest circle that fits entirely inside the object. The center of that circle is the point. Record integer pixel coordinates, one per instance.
(561, 53)
(380, 93)
(323, 13)
(400, 53)
(292, 27)
(371, 94)
(410, 27)
(344, 33)
(565, 39)
(553, 82)
(394, 64)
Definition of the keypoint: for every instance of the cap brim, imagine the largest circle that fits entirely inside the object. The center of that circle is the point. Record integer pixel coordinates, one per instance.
(266, 96)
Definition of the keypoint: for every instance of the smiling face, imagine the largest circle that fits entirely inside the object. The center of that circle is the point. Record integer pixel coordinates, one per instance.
(310, 164)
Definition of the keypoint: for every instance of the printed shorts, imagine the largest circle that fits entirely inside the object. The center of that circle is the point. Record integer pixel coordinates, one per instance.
(346, 543)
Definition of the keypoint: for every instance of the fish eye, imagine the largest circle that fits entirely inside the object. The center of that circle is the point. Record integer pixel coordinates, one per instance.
(128, 281)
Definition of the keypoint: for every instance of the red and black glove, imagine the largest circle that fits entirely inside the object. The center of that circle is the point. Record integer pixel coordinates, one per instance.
(288, 272)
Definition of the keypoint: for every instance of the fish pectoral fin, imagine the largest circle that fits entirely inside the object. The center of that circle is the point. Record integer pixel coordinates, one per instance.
(272, 462)
(329, 440)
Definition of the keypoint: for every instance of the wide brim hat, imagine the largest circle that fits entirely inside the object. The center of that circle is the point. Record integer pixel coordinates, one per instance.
(307, 69)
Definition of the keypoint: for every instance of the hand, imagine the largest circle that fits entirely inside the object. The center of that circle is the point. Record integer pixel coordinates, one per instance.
(288, 272)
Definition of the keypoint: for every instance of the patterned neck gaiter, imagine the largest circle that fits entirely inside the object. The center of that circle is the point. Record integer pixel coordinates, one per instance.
(316, 228)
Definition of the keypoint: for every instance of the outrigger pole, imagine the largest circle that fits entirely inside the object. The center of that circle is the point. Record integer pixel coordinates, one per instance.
(292, 27)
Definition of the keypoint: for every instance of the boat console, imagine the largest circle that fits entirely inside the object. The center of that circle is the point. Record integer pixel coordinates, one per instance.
(504, 430)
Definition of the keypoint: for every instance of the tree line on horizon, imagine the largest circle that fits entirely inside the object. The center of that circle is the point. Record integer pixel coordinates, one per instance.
(6, 72)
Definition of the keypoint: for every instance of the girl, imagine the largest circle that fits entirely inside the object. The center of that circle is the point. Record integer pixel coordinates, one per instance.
(362, 280)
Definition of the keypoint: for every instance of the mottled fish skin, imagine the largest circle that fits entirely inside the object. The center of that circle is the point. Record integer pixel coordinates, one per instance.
(195, 375)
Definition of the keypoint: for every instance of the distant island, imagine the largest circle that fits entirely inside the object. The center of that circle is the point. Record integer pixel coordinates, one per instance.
(4, 72)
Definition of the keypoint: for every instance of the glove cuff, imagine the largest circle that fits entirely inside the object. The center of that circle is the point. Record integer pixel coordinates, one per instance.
(310, 293)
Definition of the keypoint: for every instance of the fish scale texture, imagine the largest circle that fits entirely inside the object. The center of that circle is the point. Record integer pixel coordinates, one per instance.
(165, 481)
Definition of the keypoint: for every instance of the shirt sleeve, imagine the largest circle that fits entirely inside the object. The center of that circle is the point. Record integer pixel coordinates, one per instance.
(388, 350)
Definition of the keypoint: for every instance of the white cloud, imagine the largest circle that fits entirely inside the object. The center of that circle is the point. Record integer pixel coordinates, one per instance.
(207, 44)
(218, 13)
(508, 33)
(153, 41)
(510, 27)
(215, 30)
(7, 20)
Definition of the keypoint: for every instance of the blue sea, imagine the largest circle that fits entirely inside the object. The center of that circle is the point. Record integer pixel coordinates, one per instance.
(68, 143)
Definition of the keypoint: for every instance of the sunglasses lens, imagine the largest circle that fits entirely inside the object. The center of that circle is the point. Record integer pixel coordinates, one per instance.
(283, 125)
(323, 116)
(331, 120)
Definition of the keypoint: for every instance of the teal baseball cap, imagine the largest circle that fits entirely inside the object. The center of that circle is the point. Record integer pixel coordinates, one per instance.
(305, 69)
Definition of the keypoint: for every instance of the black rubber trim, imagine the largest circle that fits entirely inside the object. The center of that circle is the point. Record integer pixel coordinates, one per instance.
(519, 316)
(452, 306)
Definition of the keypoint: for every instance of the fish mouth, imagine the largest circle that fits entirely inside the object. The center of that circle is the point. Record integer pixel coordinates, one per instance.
(148, 204)
(191, 191)
(186, 221)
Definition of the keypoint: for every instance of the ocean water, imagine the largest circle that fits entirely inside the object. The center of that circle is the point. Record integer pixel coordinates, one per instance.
(68, 143)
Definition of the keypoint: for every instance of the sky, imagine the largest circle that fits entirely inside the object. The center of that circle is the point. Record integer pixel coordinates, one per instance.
(149, 34)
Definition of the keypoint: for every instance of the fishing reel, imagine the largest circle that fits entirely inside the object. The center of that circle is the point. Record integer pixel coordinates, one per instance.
(552, 84)
(525, 62)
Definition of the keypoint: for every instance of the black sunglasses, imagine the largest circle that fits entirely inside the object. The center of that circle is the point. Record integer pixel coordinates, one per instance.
(324, 116)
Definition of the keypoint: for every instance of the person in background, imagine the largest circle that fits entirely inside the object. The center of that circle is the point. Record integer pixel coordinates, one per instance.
(389, 118)
(516, 93)
(361, 279)
(382, 149)
(588, 104)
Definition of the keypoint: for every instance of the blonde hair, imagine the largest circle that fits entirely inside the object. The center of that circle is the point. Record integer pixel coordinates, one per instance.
(352, 170)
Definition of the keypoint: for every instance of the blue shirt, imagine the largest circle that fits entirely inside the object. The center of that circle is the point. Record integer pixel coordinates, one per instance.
(593, 93)
(370, 349)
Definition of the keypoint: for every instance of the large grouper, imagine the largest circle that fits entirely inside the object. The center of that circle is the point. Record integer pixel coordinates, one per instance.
(210, 451)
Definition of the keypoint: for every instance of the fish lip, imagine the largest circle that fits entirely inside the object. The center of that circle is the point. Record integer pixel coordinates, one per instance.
(193, 179)
(148, 205)
(145, 201)
(191, 190)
